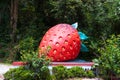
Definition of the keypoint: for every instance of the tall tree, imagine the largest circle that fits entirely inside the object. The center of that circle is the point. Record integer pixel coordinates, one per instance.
(13, 26)
(13, 19)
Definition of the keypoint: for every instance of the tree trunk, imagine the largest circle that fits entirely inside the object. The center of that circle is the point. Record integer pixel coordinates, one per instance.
(13, 20)
(13, 25)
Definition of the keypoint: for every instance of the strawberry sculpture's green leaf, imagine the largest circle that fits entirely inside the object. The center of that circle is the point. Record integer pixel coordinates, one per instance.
(82, 36)
(75, 25)
(64, 41)
(83, 48)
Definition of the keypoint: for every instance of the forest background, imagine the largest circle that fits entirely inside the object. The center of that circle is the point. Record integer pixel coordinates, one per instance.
(24, 22)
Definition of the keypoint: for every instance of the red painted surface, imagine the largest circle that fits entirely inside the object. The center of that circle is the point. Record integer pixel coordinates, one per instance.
(72, 63)
(64, 41)
(19, 63)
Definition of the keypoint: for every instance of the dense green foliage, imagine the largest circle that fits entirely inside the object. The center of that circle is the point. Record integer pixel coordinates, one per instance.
(109, 61)
(19, 74)
(35, 68)
(61, 72)
(58, 73)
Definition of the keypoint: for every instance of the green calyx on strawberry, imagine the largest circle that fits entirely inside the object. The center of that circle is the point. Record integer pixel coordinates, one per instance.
(64, 41)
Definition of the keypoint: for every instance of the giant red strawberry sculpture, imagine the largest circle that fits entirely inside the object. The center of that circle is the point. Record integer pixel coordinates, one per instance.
(64, 41)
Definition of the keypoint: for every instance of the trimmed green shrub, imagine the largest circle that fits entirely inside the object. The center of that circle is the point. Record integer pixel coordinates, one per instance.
(61, 72)
(77, 71)
(69, 73)
(89, 74)
(19, 74)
